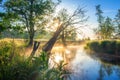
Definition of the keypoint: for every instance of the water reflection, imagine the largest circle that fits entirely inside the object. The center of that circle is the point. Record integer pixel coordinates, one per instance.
(67, 53)
(85, 67)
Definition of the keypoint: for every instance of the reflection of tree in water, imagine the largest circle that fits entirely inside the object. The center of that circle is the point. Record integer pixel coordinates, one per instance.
(70, 54)
(101, 73)
(117, 71)
(67, 53)
(108, 69)
(105, 69)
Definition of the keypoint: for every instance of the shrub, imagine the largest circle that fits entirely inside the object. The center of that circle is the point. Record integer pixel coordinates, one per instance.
(118, 47)
(94, 46)
(37, 69)
(46, 73)
(106, 46)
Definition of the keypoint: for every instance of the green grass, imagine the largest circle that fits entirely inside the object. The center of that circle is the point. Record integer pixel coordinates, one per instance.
(13, 66)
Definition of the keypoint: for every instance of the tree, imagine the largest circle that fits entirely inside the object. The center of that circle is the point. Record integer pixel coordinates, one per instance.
(100, 20)
(107, 29)
(99, 13)
(30, 13)
(78, 17)
(68, 33)
(117, 20)
(7, 23)
(2, 28)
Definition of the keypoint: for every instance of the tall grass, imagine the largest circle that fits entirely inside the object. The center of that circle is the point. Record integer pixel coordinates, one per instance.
(13, 66)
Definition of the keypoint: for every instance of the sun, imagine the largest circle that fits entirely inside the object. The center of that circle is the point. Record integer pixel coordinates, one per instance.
(58, 58)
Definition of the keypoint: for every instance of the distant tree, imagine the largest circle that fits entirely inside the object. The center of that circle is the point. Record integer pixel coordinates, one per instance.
(107, 29)
(99, 13)
(100, 20)
(30, 13)
(117, 20)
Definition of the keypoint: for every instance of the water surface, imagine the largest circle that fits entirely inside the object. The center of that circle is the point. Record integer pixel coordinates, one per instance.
(85, 67)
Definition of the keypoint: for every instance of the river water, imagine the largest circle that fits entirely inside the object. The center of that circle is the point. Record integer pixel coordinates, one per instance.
(85, 67)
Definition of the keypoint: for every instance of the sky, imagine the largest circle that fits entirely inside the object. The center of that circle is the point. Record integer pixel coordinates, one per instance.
(109, 7)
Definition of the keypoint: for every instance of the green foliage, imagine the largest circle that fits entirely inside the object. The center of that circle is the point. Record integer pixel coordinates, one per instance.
(118, 47)
(94, 46)
(1, 27)
(70, 32)
(99, 13)
(6, 48)
(106, 46)
(20, 68)
(30, 13)
(117, 21)
(106, 28)
(46, 73)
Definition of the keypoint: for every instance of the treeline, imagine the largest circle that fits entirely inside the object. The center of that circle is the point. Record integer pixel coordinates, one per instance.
(105, 46)
(108, 28)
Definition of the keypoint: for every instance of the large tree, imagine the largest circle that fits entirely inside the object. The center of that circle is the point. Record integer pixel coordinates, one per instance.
(30, 13)
(77, 18)
(68, 33)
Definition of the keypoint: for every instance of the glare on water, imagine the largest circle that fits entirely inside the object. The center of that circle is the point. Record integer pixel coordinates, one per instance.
(82, 65)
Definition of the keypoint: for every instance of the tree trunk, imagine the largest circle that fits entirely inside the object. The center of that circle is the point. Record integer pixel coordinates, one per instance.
(31, 36)
(48, 46)
(63, 39)
(35, 47)
(31, 25)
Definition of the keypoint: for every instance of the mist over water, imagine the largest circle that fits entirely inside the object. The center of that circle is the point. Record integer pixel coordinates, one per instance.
(85, 67)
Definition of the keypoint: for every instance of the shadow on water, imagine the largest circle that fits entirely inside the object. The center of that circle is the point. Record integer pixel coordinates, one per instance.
(85, 67)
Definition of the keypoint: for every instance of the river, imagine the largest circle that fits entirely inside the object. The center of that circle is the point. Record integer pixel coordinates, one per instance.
(85, 67)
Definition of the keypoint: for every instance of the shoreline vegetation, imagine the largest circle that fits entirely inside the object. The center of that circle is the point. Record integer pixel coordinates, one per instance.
(15, 66)
(106, 50)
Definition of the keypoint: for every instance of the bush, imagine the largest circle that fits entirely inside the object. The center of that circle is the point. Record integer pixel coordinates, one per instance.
(12, 65)
(106, 46)
(93, 46)
(35, 69)
(118, 47)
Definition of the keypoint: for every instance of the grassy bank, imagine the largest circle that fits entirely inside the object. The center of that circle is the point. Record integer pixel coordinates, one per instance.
(111, 47)
(14, 66)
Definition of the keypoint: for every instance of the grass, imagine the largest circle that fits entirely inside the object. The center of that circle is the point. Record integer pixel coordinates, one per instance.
(14, 66)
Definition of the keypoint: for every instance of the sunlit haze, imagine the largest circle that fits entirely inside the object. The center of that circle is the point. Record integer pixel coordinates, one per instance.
(109, 7)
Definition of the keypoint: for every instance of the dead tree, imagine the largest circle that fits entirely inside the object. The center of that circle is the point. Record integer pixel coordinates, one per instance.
(35, 47)
(77, 18)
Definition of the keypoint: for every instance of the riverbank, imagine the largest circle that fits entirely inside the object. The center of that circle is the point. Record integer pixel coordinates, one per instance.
(13, 59)
(107, 50)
